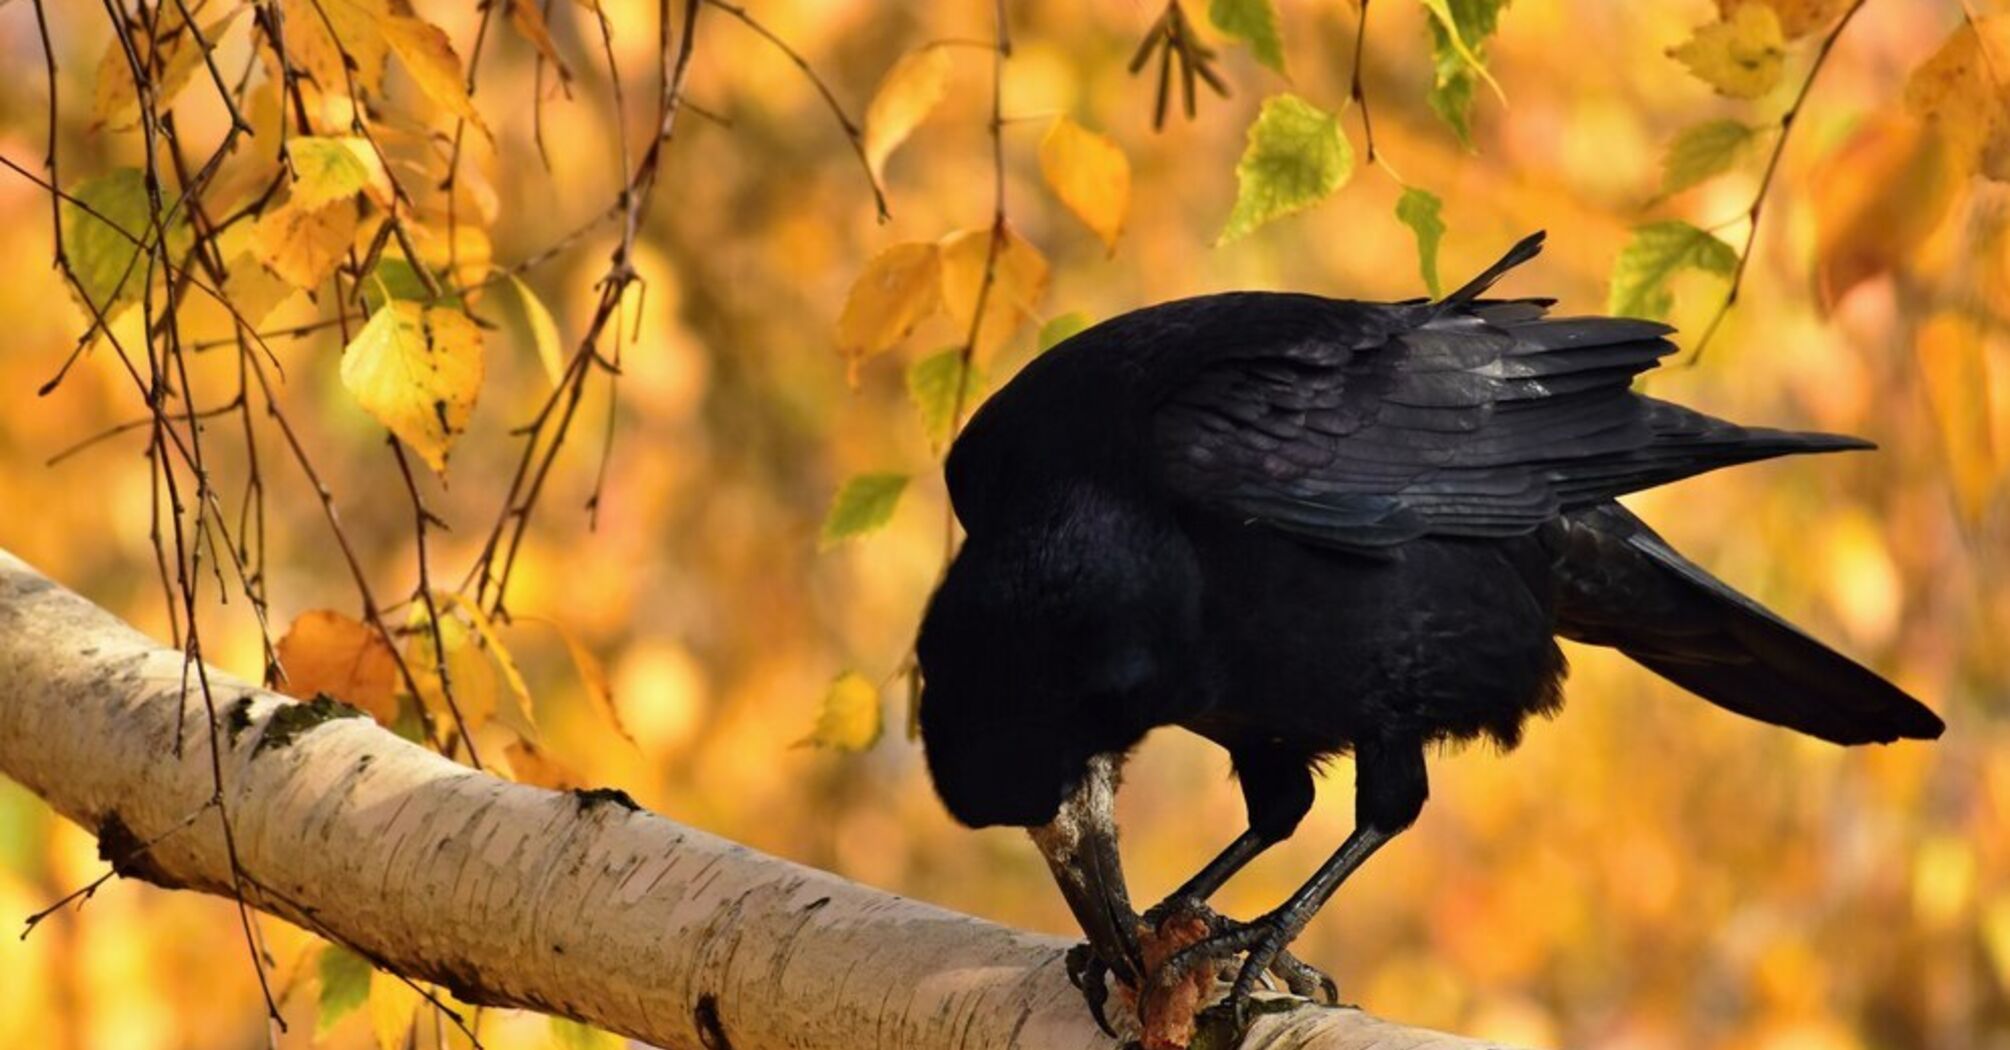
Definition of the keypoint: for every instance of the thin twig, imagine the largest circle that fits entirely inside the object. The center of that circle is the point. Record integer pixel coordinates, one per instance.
(1752, 213)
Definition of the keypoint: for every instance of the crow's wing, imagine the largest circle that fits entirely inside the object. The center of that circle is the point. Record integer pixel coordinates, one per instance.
(1620, 585)
(1465, 417)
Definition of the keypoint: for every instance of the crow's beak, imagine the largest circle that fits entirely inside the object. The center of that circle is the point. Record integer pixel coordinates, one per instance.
(1080, 845)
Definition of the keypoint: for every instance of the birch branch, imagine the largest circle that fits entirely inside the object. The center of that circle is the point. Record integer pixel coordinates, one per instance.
(570, 903)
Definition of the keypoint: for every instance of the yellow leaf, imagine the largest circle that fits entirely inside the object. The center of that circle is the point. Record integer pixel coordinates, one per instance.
(253, 291)
(519, 715)
(531, 764)
(429, 56)
(543, 331)
(850, 717)
(592, 676)
(1960, 93)
(417, 370)
(332, 169)
(1740, 55)
(529, 23)
(304, 246)
(358, 28)
(1797, 18)
(394, 1006)
(1954, 364)
(116, 103)
(468, 252)
(327, 652)
(1090, 174)
(897, 288)
(1876, 200)
(909, 92)
(1020, 279)
(471, 678)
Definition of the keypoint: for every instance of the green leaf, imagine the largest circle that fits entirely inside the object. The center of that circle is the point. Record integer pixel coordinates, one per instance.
(1061, 328)
(568, 1034)
(1656, 254)
(863, 505)
(849, 718)
(1459, 31)
(1418, 209)
(1296, 156)
(345, 985)
(1702, 152)
(1255, 23)
(109, 267)
(396, 276)
(931, 385)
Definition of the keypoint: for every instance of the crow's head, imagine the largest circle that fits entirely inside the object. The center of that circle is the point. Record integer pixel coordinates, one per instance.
(1065, 637)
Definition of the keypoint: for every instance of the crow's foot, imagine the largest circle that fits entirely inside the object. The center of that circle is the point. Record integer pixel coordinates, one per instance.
(1299, 977)
(1262, 945)
(1089, 974)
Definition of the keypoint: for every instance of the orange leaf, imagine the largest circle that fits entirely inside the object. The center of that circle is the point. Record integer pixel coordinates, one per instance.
(327, 652)
(1876, 200)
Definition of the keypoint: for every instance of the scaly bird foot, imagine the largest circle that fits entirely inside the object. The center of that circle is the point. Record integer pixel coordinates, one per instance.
(1299, 977)
(1262, 944)
(1089, 974)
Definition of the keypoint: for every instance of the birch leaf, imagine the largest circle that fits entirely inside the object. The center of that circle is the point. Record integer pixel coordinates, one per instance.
(906, 96)
(1295, 158)
(1090, 174)
(850, 718)
(417, 370)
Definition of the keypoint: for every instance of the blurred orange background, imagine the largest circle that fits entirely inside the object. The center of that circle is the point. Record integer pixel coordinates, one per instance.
(1648, 872)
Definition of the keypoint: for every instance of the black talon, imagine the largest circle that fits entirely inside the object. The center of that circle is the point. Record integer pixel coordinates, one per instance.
(1087, 973)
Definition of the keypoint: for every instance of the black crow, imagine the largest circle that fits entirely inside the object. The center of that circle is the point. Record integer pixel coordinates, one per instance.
(1301, 527)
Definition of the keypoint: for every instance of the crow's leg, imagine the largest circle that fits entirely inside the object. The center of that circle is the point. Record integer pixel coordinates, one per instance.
(1277, 790)
(1080, 845)
(1390, 789)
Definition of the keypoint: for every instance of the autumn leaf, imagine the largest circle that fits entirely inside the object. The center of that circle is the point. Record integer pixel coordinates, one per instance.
(305, 245)
(1418, 209)
(417, 369)
(327, 652)
(345, 985)
(1961, 93)
(1657, 252)
(1254, 22)
(110, 269)
(592, 676)
(394, 1008)
(863, 505)
(1703, 151)
(1876, 200)
(429, 56)
(898, 287)
(528, 20)
(520, 713)
(1954, 365)
(358, 27)
(1797, 17)
(1295, 158)
(908, 93)
(531, 764)
(1060, 328)
(1019, 279)
(1458, 60)
(252, 289)
(849, 718)
(931, 385)
(1090, 174)
(1741, 55)
(543, 331)
(470, 676)
(568, 1034)
(116, 103)
(332, 169)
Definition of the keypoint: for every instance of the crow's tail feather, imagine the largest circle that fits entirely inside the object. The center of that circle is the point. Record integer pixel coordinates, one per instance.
(1624, 587)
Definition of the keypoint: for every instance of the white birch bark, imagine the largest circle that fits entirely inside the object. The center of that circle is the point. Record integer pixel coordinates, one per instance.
(517, 896)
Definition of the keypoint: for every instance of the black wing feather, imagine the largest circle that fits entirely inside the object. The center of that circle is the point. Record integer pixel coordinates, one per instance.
(1464, 417)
